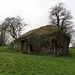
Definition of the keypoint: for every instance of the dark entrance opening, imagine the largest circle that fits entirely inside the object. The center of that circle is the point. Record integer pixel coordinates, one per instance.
(31, 48)
(22, 45)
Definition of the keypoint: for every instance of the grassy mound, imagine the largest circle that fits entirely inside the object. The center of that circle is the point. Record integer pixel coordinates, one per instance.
(48, 29)
(13, 63)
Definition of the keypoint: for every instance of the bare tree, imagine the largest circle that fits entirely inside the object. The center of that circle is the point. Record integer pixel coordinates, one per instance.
(61, 17)
(2, 36)
(10, 29)
(73, 43)
(14, 26)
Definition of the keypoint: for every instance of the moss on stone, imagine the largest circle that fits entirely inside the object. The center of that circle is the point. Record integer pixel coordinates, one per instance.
(41, 38)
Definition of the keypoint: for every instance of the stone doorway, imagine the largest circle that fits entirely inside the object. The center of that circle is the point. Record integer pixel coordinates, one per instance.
(31, 48)
(22, 45)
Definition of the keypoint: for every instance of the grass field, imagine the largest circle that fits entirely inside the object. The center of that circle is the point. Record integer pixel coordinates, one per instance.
(14, 63)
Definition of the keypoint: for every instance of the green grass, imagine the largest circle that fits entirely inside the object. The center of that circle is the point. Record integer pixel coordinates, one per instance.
(14, 63)
(7, 49)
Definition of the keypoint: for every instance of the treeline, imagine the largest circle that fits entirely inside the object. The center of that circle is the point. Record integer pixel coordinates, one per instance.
(10, 29)
(59, 16)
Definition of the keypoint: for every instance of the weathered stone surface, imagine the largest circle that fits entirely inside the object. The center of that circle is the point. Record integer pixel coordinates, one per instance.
(47, 40)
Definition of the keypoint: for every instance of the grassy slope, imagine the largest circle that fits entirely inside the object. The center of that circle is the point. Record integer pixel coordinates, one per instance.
(7, 49)
(13, 63)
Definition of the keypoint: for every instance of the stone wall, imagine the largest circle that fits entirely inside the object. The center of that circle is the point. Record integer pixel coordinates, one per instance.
(55, 44)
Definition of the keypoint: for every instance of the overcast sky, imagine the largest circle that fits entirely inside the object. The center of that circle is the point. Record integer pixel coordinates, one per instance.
(34, 12)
